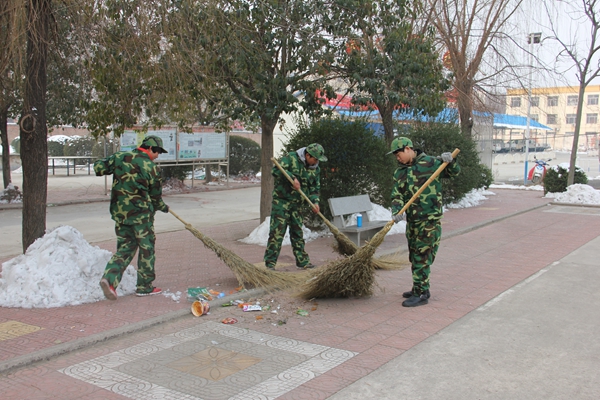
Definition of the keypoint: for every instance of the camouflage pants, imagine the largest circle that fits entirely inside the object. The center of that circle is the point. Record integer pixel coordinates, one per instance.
(284, 214)
(423, 243)
(129, 239)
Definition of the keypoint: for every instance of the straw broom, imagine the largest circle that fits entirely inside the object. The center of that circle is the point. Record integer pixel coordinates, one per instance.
(354, 275)
(343, 244)
(243, 270)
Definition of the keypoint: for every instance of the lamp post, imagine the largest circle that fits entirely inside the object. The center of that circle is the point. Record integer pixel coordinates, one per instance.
(532, 38)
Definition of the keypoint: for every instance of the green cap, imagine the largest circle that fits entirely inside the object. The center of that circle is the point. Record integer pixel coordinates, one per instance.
(154, 141)
(399, 144)
(317, 151)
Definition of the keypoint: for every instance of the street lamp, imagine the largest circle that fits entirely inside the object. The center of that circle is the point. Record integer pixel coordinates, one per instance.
(532, 38)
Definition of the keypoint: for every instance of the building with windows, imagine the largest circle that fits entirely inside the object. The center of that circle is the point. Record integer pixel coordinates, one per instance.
(556, 107)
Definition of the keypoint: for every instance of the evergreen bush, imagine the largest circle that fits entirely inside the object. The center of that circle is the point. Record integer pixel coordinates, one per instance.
(435, 138)
(179, 172)
(356, 164)
(244, 155)
(79, 147)
(555, 180)
(55, 149)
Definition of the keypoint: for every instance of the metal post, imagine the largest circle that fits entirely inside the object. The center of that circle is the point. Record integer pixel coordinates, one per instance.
(531, 39)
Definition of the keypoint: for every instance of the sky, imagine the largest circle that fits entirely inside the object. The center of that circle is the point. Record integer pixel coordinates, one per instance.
(62, 268)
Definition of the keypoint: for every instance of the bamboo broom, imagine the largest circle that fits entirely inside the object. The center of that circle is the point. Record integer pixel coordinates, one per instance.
(243, 270)
(344, 245)
(354, 275)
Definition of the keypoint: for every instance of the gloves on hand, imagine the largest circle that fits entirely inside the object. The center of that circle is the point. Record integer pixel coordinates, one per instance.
(446, 157)
(398, 217)
(166, 210)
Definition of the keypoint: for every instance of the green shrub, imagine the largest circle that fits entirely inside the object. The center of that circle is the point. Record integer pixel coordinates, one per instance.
(356, 164)
(555, 180)
(98, 150)
(244, 155)
(55, 149)
(179, 172)
(436, 138)
(79, 147)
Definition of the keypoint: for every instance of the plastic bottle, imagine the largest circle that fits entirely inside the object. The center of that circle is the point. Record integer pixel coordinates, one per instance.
(359, 220)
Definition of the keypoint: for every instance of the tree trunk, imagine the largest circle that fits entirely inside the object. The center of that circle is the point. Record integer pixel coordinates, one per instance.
(465, 108)
(266, 179)
(387, 119)
(573, 159)
(33, 129)
(5, 146)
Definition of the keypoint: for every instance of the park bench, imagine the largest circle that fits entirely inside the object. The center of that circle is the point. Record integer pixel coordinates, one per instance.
(341, 207)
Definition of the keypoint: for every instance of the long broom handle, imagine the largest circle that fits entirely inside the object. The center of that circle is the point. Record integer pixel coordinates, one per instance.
(177, 216)
(329, 224)
(424, 186)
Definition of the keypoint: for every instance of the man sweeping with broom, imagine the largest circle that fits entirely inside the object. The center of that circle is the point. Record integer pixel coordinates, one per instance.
(423, 226)
(303, 167)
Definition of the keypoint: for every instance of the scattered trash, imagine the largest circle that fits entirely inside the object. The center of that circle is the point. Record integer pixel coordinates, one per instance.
(198, 293)
(250, 307)
(229, 321)
(229, 304)
(200, 308)
(258, 317)
(302, 312)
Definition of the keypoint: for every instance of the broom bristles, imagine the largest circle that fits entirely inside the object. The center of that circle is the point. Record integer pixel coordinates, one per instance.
(350, 277)
(246, 272)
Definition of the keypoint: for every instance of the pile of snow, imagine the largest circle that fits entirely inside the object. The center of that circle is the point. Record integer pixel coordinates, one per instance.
(59, 269)
(577, 194)
(11, 194)
(260, 235)
(472, 199)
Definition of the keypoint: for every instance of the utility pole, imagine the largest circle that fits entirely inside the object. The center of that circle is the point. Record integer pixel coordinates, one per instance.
(532, 38)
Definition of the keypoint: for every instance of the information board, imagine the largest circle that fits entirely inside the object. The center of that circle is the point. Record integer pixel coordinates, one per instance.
(202, 146)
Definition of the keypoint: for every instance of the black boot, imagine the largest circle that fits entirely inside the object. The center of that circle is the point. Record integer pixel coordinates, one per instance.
(407, 295)
(414, 301)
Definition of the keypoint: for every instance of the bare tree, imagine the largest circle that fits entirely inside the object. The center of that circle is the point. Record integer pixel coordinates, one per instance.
(578, 51)
(469, 30)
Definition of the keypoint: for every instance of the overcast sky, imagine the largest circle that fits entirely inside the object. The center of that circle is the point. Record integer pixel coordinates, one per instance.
(570, 25)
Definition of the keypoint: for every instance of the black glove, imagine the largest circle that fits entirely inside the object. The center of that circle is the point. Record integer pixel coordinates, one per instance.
(166, 210)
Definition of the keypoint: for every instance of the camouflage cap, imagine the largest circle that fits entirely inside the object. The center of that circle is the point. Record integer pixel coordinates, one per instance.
(317, 151)
(154, 141)
(399, 144)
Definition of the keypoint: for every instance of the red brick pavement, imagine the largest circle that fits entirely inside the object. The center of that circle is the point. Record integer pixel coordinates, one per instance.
(471, 268)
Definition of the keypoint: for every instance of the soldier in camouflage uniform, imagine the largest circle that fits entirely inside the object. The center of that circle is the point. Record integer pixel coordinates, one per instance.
(423, 226)
(302, 166)
(136, 195)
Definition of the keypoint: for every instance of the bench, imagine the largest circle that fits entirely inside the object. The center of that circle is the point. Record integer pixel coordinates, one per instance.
(343, 206)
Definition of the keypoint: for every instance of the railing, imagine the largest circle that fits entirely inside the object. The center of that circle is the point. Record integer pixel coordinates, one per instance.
(71, 160)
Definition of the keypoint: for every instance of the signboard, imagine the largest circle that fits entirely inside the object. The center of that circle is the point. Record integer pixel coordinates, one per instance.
(131, 140)
(202, 146)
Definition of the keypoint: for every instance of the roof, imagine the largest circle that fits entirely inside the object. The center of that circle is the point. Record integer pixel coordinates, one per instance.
(517, 122)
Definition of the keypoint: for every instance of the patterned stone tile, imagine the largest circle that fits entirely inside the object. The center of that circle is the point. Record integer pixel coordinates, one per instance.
(210, 361)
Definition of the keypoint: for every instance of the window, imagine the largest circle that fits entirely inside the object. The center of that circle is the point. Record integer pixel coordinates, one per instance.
(591, 118)
(551, 119)
(592, 100)
(552, 101)
(515, 102)
(571, 118)
(535, 101)
(571, 100)
(535, 117)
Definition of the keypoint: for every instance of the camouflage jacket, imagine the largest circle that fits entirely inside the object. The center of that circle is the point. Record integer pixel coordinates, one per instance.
(409, 178)
(309, 178)
(136, 192)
